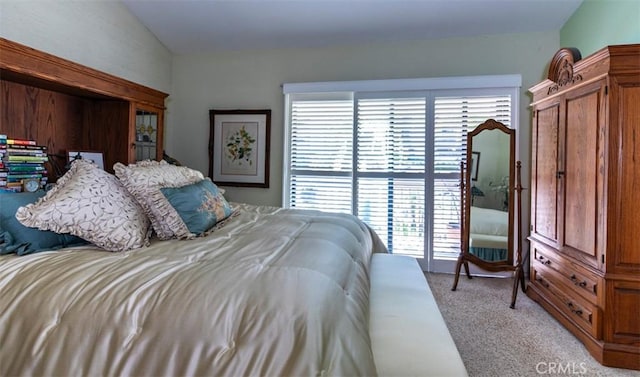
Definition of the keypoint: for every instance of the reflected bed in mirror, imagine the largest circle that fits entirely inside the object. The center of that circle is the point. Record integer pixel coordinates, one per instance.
(488, 234)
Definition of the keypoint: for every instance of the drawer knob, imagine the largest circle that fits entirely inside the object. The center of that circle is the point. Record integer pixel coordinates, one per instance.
(575, 281)
(542, 282)
(571, 307)
(545, 262)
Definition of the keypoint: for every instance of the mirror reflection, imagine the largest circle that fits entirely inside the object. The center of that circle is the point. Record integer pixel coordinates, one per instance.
(489, 214)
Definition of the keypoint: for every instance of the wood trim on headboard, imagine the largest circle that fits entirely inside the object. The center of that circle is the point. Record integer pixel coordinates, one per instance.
(32, 67)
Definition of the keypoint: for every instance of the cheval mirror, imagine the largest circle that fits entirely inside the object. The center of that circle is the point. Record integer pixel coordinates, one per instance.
(491, 202)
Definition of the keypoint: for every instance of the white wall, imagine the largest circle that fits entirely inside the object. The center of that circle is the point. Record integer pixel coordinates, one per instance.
(103, 35)
(252, 79)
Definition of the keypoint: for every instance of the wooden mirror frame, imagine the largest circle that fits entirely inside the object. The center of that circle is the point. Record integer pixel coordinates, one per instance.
(514, 254)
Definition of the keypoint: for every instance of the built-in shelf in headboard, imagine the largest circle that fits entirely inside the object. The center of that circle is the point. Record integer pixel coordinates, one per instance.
(68, 106)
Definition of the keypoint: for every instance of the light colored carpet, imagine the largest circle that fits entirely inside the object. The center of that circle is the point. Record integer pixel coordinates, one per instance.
(495, 340)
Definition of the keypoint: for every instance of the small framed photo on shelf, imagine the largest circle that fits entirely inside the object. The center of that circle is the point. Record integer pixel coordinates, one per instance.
(239, 147)
(95, 157)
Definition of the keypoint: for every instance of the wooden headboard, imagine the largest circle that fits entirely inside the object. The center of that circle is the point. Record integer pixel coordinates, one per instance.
(67, 106)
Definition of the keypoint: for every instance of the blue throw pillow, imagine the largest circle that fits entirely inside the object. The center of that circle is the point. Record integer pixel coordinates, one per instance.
(200, 205)
(17, 238)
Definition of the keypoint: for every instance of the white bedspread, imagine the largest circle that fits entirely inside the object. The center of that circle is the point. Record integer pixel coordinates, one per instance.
(272, 293)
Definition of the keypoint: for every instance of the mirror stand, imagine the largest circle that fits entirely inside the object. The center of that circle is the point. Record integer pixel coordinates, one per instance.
(518, 272)
(491, 236)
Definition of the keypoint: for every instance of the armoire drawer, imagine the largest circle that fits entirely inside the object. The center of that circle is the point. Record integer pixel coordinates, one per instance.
(569, 273)
(582, 312)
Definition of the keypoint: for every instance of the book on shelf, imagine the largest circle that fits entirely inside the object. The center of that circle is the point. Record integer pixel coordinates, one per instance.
(14, 158)
(23, 152)
(23, 175)
(5, 183)
(21, 159)
(13, 184)
(8, 164)
(18, 142)
(8, 182)
(28, 168)
(23, 147)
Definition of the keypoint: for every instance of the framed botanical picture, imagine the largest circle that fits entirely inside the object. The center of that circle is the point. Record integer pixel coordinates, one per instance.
(239, 147)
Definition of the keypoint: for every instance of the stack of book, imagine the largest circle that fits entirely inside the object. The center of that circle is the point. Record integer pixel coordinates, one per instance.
(21, 159)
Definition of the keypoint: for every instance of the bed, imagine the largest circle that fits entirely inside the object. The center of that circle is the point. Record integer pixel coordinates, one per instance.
(488, 235)
(267, 291)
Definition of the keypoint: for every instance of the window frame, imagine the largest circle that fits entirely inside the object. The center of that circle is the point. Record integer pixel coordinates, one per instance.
(430, 89)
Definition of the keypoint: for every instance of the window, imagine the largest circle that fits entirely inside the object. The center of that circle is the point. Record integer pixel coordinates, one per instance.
(454, 116)
(389, 152)
(321, 154)
(390, 176)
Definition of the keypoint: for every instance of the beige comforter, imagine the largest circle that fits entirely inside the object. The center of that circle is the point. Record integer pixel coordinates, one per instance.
(272, 293)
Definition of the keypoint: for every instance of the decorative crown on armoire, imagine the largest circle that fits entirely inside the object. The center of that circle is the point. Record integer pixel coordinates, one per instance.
(561, 68)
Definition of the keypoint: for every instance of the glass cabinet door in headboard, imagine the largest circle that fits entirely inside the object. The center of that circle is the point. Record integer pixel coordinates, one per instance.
(148, 134)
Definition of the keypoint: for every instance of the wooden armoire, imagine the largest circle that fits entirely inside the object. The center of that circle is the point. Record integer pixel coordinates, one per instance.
(585, 199)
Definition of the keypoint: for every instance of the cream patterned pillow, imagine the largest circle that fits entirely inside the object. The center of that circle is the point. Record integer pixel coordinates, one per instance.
(144, 181)
(92, 204)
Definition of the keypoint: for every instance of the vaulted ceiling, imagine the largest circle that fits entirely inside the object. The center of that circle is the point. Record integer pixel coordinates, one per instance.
(197, 26)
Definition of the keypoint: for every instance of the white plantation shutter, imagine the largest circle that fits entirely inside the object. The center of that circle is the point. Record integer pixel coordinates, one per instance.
(321, 154)
(453, 117)
(389, 151)
(391, 170)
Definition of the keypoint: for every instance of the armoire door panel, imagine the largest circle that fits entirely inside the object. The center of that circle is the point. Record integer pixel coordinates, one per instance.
(581, 197)
(626, 200)
(624, 300)
(545, 190)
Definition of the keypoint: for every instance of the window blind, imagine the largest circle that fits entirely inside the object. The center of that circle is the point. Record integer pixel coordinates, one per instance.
(454, 117)
(390, 155)
(321, 148)
(390, 134)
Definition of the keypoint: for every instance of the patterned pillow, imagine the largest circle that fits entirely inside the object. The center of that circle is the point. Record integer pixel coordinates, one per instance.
(92, 204)
(144, 181)
(200, 206)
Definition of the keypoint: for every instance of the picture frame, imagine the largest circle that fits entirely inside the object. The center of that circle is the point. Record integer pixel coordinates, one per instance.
(475, 163)
(239, 143)
(93, 156)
